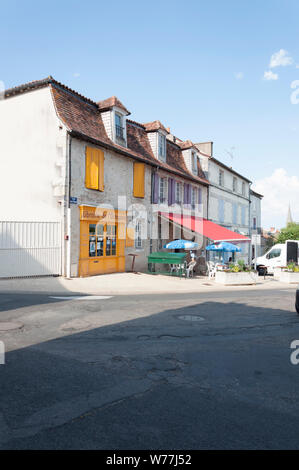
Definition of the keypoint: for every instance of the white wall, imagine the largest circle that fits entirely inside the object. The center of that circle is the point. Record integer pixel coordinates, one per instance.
(229, 198)
(32, 156)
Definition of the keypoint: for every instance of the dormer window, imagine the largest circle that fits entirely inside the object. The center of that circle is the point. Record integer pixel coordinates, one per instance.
(114, 117)
(119, 128)
(162, 147)
(194, 163)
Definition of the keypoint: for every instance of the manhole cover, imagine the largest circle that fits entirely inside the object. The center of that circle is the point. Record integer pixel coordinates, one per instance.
(8, 326)
(190, 318)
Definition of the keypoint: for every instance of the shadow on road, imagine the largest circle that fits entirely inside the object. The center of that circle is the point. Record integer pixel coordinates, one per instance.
(209, 376)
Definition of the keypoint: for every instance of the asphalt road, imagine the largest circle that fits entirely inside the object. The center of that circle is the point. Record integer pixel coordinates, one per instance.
(192, 371)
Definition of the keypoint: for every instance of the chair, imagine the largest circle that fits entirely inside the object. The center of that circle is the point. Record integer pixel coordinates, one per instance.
(212, 268)
(190, 267)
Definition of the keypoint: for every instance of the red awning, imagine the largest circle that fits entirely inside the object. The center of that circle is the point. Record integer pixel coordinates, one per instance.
(205, 227)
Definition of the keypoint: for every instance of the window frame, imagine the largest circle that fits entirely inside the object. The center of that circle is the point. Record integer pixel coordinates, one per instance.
(235, 184)
(119, 128)
(221, 178)
(194, 158)
(111, 235)
(162, 140)
(162, 184)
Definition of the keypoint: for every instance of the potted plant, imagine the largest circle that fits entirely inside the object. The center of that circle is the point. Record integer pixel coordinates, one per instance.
(290, 274)
(236, 275)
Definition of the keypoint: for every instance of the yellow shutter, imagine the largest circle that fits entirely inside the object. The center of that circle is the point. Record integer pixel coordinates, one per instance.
(101, 170)
(87, 167)
(94, 170)
(130, 237)
(91, 169)
(138, 190)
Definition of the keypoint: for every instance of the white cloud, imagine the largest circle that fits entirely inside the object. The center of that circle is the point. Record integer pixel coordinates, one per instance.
(297, 66)
(279, 190)
(280, 59)
(76, 74)
(239, 75)
(269, 75)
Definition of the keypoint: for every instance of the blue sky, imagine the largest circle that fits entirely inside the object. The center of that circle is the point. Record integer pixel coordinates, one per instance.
(197, 66)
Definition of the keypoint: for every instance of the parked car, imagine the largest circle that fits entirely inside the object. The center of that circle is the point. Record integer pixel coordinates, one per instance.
(279, 255)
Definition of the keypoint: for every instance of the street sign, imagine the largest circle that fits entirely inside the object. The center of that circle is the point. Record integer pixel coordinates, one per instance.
(73, 200)
(256, 239)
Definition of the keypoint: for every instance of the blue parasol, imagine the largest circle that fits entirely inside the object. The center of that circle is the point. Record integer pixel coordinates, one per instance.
(181, 245)
(225, 247)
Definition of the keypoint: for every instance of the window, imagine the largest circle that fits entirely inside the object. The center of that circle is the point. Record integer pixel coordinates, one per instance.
(138, 184)
(92, 240)
(162, 190)
(235, 185)
(254, 223)
(243, 189)
(178, 192)
(274, 253)
(94, 169)
(102, 240)
(119, 129)
(162, 147)
(110, 240)
(221, 178)
(194, 163)
(193, 197)
(138, 235)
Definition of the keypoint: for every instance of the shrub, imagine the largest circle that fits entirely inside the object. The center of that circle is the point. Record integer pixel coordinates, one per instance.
(293, 267)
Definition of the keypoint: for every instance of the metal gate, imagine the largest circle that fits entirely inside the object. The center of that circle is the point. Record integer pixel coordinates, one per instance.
(30, 249)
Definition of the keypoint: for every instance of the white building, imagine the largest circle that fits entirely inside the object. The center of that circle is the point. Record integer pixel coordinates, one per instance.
(256, 223)
(229, 196)
(74, 175)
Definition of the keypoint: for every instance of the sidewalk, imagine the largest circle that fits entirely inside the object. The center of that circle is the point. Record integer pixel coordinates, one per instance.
(128, 284)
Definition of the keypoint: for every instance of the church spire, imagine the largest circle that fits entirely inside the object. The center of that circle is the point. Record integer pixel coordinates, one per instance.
(289, 218)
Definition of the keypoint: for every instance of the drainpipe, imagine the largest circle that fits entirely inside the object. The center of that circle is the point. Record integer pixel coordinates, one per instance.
(250, 234)
(68, 238)
(151, 207)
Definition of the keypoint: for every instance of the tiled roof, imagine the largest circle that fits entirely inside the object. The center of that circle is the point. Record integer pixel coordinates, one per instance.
(83, 120)
(187, 144)
(155, 126)
(110, 102)
(175, 163)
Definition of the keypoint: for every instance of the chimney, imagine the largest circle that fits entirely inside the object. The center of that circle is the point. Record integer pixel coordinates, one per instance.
(206, 147)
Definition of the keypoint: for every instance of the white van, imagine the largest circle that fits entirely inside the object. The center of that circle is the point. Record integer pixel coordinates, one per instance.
(279, 255)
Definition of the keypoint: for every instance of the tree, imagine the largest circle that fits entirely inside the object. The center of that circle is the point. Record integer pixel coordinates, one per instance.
(291, 232)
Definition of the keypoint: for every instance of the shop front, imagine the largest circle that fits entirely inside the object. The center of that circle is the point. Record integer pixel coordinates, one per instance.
(102, 241)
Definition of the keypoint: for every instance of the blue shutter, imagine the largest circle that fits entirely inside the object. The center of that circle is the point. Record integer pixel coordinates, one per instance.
(189, 193)
(170, 184)
(185, 193)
